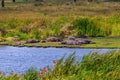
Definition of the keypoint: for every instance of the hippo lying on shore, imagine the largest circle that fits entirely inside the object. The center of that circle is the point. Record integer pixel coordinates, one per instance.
(76, 41)
(18, 43)
(32, 41)
(83, 41)
(54, 39)
(69, 42)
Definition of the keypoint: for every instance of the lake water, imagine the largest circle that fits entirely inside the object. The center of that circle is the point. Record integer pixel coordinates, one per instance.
(20, 59)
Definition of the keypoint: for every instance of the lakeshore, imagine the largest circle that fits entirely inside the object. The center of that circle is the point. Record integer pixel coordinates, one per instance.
(100, 42)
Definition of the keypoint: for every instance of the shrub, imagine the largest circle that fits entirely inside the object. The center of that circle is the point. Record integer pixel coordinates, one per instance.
(57, 25)
(86, 27)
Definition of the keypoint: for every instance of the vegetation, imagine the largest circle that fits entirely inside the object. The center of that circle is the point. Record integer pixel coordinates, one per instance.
(100, 43)
(104, 66)
(36, 20)
(63, 26)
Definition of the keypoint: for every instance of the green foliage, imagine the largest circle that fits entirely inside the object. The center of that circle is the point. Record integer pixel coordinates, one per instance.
(99, 66)
(31, 74)
(86, 27)
(115, 19)
(116, 30)
(20, 35)
(93, 66)
(66, 67)
(57, 25)
(35, 34)
(62, 26)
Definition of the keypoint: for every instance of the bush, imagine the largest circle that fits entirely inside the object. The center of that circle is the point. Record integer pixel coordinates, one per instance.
(86, 27)
(35, 34)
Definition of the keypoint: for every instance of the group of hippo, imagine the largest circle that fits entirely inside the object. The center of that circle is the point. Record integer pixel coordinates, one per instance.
(68, 41)
(76, 41)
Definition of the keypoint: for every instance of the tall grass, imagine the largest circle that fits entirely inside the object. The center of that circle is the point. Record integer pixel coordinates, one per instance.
(86, 27)
(44, 27)
(31, 74)
(94, 66)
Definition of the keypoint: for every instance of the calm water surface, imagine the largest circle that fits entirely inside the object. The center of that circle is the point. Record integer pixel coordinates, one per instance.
(20, 59)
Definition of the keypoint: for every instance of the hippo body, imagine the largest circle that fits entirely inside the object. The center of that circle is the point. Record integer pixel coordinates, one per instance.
(32, 41)
(54, 39)
(83, 41)
(18, 43)
(70, 42)
(76, 41)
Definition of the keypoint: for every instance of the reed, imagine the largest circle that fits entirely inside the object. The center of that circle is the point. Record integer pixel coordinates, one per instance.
(95, 65)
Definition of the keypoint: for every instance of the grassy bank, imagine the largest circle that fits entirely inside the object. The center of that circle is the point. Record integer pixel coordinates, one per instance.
(94, 66)
(44, 27)
(31, 20)
(101, 42)
(27, 20)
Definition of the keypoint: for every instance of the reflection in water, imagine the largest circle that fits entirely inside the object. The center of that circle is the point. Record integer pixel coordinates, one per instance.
(20, 59)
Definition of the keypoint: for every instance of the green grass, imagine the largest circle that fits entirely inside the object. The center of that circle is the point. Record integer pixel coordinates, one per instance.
(44, 27)
(104, 43)
(94, 66)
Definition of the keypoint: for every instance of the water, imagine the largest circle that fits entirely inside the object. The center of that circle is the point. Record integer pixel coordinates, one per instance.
(20, 59)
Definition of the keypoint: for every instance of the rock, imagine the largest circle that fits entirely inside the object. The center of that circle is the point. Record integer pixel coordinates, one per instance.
(54, 39)
(32, 41)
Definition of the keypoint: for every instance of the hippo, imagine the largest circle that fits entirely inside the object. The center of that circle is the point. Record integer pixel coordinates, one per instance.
(69, 42)
(54, 39)
(18, 43)
(76, 41)
(83, 41)
(32, 41)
